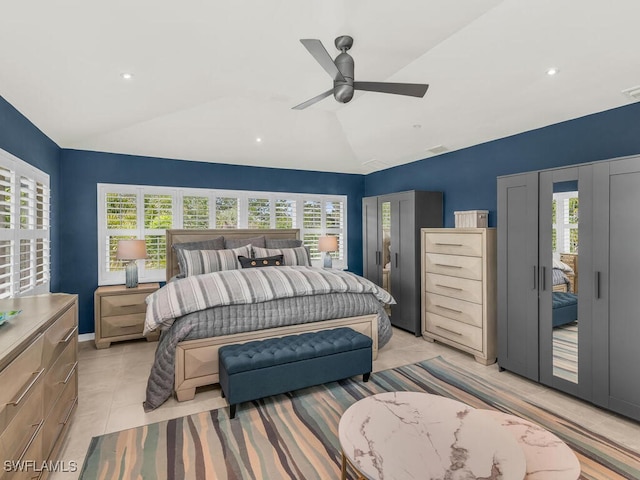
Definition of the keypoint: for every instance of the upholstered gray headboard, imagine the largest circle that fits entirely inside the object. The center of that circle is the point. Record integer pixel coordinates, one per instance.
(181, 236)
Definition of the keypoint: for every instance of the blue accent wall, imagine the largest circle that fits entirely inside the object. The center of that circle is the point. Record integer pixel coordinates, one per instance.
(468, 177)
(81, 171)
(23, 139)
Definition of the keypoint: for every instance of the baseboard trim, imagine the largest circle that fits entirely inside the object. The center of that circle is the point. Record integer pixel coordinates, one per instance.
(86, 337)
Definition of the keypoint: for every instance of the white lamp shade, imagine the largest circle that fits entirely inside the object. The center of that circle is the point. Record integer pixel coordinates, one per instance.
(131, 249)
(328, 244)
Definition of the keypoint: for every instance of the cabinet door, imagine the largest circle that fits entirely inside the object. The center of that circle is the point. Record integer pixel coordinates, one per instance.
(404, 269)
(565, 228)
(518, 274)
(372, 270)
(616, 284)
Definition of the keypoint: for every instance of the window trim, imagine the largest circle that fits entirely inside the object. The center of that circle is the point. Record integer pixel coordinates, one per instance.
(178, 193)
(15, 234)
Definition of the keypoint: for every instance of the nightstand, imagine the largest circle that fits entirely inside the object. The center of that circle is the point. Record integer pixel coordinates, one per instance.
(120, 313)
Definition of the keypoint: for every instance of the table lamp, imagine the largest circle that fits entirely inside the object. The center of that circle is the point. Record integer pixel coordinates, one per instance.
(131, 250)
(327, 245)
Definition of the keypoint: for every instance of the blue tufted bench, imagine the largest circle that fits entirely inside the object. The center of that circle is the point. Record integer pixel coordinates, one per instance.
(253, 370)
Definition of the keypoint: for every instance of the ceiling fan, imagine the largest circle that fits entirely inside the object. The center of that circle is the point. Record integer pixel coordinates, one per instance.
(341, 70)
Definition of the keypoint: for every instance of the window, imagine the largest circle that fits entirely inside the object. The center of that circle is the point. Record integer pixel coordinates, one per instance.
(565, 222)
(24, 228)
(131, 211)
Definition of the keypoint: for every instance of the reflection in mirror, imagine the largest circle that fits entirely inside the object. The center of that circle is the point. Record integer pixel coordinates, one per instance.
(565, 280)
(386, 250)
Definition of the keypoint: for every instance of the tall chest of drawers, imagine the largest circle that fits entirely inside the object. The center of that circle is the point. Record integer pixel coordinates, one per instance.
(459, 289)
(38, 381)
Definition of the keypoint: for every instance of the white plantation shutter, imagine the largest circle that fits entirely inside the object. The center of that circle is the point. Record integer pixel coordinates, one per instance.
(24, 228)
(259, 214)
(565, 227)
(133, 211)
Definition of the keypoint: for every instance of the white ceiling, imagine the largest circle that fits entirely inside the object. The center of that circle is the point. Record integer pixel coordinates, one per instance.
(212, 76)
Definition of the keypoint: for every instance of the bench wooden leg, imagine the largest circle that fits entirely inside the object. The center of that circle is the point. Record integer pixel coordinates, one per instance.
(232, 411)
(365, 377)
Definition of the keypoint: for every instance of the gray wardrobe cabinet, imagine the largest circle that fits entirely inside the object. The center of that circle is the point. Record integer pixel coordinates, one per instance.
(391, 248)
(606, 331)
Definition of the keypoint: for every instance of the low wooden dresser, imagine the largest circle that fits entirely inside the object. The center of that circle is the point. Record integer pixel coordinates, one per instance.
(120, 313)
(459, 289)
(38, 381)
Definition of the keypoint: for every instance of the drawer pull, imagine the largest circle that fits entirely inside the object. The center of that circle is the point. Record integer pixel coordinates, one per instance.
(448, 266)
(68, 415)
(447, 286)
(130, 305)
(29, 387)
(69, 335)
(68, 377)
(447, 330)
(33, 437)
(450, 309)
(449, 244)
(137, 324)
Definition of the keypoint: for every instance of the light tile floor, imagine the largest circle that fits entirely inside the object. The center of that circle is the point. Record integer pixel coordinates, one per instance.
(112, 386)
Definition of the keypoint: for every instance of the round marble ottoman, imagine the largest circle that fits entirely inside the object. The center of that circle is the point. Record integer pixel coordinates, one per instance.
(547, 457)
(412, 435)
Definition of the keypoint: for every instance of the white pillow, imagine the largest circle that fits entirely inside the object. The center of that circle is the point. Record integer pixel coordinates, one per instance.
(198, 262)
(292, 256)
(562, 266)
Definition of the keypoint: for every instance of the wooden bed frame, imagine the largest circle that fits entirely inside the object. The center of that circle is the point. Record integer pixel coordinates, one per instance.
(196, 362)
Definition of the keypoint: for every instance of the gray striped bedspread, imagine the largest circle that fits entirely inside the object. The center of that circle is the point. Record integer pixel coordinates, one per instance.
(238, 318)
(252, 285)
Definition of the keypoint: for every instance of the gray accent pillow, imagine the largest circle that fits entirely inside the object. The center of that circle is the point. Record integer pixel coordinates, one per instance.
(292, 256)
(282, 243)
(208, 261)
(212, 244)
(241, 242)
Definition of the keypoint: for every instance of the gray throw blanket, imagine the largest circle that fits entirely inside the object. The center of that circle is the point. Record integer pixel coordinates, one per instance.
(247, 286)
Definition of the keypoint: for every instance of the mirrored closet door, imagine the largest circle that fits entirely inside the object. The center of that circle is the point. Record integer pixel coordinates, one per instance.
(565, 235)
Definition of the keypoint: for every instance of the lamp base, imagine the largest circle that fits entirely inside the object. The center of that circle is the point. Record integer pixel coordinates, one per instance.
(131, 274)
(327, 260)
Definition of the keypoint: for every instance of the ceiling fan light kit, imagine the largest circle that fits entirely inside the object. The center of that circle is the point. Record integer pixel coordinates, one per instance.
(341, 70)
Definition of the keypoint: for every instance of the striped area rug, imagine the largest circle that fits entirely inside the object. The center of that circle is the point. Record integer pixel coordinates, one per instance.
(565, 352)
(295, 435)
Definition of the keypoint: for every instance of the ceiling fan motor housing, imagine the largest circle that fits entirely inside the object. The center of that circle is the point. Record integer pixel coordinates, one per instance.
(343, 91)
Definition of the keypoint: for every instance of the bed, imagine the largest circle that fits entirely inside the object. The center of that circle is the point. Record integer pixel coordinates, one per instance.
(187, 352)
(565, 308)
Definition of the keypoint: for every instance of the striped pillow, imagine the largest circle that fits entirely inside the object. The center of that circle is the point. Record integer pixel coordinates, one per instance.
(198, 262)
(292, 256)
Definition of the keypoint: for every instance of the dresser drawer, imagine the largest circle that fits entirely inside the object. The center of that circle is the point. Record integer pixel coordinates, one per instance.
(24, 427)
(60, 414)
(457, 332)
(60, 373)
(18, 380)
(469, 244)
(454, 265)
(459, 310)
(58, 336)
(462, 288)
(118, 305)
(123, 325)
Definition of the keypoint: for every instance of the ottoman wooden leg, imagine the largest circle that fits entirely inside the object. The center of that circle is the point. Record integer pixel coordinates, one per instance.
(232, 411)
(365, 377)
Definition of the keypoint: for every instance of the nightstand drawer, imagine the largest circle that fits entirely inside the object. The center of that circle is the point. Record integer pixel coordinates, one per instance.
(113, 305)
(461, 288)
(454, 265)
(461, 333)
(123, 325)
(459, 310)
(454, 243)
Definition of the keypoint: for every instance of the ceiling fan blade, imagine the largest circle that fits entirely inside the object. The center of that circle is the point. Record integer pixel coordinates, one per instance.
(313, 100)
(410, 89)
(321, 55)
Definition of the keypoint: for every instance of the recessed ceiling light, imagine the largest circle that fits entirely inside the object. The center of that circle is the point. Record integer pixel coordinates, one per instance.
(417, 125)
(126, 76)
(552, 71)
(258, 139)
